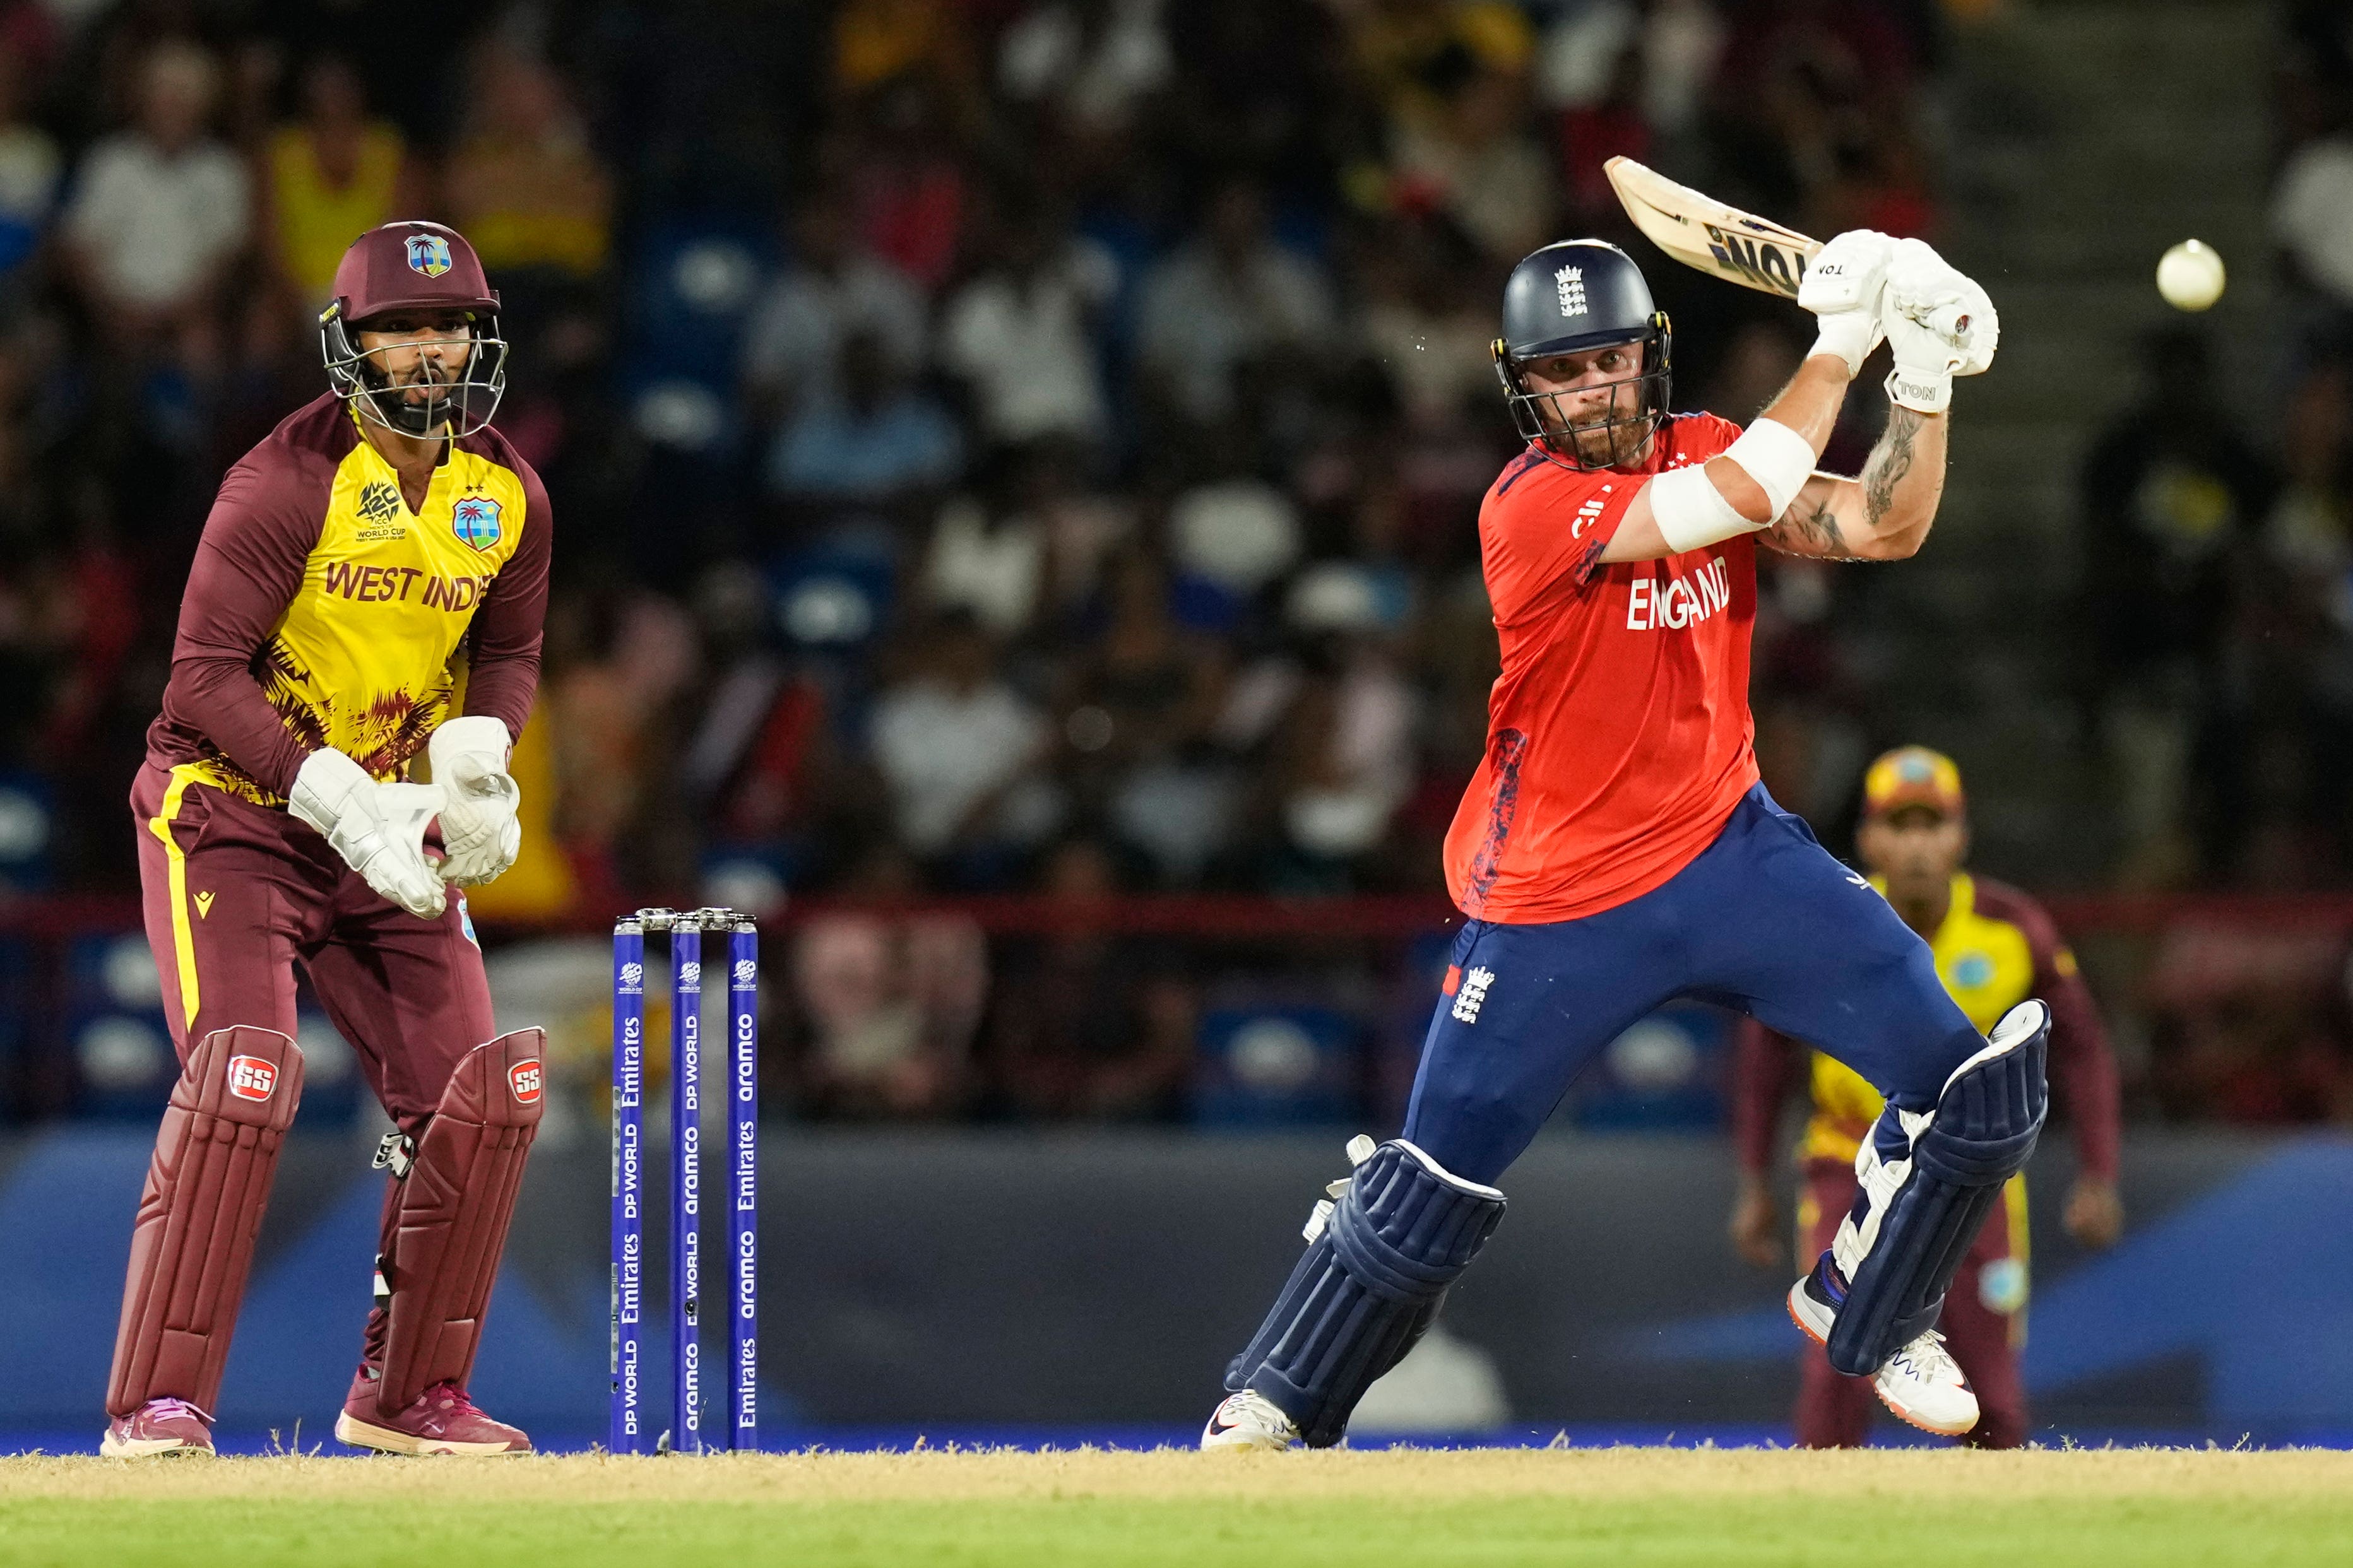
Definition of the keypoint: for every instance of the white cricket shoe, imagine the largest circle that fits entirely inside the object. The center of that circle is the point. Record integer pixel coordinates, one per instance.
(1921, 1382)
(1249, 1420)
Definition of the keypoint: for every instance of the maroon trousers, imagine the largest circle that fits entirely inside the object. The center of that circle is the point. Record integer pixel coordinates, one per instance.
(234, 895)
(1835, 1410)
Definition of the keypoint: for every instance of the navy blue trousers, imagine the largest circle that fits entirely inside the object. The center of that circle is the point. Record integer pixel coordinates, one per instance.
(1764, 921)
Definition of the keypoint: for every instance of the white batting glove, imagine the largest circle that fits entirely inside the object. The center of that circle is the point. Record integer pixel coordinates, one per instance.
(1842, 287)
(1940, 323)
(479, 833)
(377, 828)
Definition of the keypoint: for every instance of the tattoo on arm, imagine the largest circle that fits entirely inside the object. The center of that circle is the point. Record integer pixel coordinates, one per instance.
(1809, 528)
(1890, 461)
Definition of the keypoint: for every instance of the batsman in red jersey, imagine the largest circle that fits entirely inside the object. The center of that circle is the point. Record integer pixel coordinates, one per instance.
(382, 550)
(1615, 849)
(1994, 947)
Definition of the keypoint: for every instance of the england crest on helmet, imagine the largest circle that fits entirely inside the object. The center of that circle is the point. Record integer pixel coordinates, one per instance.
(428, 254)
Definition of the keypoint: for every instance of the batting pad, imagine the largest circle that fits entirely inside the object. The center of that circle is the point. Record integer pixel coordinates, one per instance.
(1404, 1229)
(192, 1244)
(1920, 1210)
(455, 1203)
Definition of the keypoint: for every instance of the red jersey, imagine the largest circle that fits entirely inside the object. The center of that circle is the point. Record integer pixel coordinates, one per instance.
(1618, 736)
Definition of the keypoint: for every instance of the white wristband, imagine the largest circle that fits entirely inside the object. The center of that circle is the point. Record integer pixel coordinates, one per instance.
(1778, 459)
(1692, 512)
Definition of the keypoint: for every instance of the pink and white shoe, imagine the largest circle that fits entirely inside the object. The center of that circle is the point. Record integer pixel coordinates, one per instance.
(442, 1421)
(159, 1429)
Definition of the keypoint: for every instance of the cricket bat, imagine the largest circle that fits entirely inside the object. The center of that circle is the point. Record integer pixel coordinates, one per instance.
(1701, 232)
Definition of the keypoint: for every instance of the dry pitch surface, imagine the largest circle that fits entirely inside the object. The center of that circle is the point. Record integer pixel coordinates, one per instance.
(1621, 1506)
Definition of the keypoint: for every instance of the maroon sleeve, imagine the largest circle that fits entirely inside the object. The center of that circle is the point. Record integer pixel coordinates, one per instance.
(248, 569)
(503, 657)
(2082, 1068)
(1764, 1065)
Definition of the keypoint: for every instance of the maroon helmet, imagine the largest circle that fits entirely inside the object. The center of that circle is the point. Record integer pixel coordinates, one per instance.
(410, 265)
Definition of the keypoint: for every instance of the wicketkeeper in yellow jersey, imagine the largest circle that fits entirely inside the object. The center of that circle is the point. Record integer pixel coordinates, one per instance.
(382, 550)
(1993, 946)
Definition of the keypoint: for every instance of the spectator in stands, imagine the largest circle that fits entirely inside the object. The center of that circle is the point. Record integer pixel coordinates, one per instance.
(962, 755)
(1342, 760)
(334, 172)
(1258, 88)
(29, 189)
(1021, 334)
(891, 998)
(1139, 703)
(1581, 64)
(1089, 70)
(1085, 1025)
(988, 558)
(831, 288)
(1423, 312)
(2302, 681)
(908, 191)
(159, 214)
(2312, 219)
(1473, 159)
(527, 188)
(1225, 302)
(879, 441)
(2171, 496)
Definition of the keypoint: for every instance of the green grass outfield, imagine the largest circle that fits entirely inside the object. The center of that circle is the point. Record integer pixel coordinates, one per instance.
(2145, 1508)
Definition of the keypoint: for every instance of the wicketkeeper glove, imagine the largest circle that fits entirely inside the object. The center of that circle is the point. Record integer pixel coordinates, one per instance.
(377, 828)
(479, 833)
(1842, 287)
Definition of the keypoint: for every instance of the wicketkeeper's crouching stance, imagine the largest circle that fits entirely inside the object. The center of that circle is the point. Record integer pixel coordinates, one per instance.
(382, 544)
(1616, 850)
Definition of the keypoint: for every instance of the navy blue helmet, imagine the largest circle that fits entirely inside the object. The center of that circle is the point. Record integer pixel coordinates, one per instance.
(1564, 299)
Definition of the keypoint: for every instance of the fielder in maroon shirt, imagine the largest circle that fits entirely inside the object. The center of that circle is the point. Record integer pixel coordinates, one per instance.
(383, 551)
(1993, 946)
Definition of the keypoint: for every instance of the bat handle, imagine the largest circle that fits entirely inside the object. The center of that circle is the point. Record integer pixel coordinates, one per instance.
(1950, 320)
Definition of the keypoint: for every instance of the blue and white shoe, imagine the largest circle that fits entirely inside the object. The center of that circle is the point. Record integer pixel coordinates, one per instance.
(1921, 1382)
(1249, 1420)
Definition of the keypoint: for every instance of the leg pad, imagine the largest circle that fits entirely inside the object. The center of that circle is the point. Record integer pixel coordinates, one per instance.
(454, 1206)
(1369, 1285)
(192, 1244)
(1929, 1184)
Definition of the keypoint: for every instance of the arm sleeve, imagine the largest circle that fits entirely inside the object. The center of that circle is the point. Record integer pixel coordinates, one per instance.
(1764, 1067)
(2082, 1068)
(503, 664)
(248, 569)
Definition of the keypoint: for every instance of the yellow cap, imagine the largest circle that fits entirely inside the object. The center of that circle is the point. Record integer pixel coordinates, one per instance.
(1910, 776)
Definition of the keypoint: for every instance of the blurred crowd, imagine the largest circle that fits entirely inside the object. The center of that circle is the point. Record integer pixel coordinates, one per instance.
(1022, 446)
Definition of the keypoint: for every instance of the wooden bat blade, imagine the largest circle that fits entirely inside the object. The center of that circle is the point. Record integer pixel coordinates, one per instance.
(1701, 232)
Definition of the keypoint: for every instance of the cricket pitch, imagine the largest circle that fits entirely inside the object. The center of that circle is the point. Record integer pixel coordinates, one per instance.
(1621, 1506)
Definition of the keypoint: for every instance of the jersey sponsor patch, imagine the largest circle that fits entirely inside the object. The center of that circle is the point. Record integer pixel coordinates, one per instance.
(250, 1077)
(527, 1079)
(475, 520)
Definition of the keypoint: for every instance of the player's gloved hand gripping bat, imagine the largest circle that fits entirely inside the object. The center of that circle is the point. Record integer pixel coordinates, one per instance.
(1755, 253)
